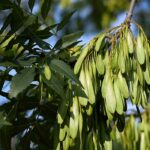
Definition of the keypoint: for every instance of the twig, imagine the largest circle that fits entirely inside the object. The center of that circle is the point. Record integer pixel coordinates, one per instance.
(130, 12)
(128, 18)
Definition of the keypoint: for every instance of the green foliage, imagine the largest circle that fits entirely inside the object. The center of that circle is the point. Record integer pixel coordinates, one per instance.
(68, 96)
(21, 81)
(45, 8)
(62, 68)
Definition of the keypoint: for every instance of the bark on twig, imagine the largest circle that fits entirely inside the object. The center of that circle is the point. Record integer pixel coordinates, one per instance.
(130, 12)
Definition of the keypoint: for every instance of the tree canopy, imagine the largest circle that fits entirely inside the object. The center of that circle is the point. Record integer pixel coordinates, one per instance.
(63, 94)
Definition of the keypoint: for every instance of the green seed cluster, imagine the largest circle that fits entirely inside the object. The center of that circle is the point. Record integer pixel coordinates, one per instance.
(112, 68)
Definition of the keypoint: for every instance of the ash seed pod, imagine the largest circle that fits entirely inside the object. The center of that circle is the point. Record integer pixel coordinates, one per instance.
(99, 42)
(144, 98)
(110, 96)
(62, 133)
(130, 42)
(89, 109)
(135, 88)
(114, 62)
(121, 62)
(47, 72)
(147, 47)
(91, 94)
(123, 86)
(119, 98)
(81, 59)
(140, 74)
(100, 65)
(140, 51)
(147, 75)
(73, 127)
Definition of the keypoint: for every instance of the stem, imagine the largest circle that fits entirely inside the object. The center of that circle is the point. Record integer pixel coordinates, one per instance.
(130, 12)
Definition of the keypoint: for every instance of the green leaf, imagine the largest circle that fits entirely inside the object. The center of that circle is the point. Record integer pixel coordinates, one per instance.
(42, 44)
(65, 21)
(5, 42)
(45, 8)
(55, 84)
(26, 61)
(45, 33)
(31, 4)
(21, 81)
(71, 38)
(17, 19)
(68, 40)
(62, 68)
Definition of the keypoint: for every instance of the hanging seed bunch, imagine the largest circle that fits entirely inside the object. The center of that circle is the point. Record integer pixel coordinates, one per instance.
(112, 68)
(137, 137)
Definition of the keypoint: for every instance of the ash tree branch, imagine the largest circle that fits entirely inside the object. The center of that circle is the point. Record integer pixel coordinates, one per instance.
(130, 12)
